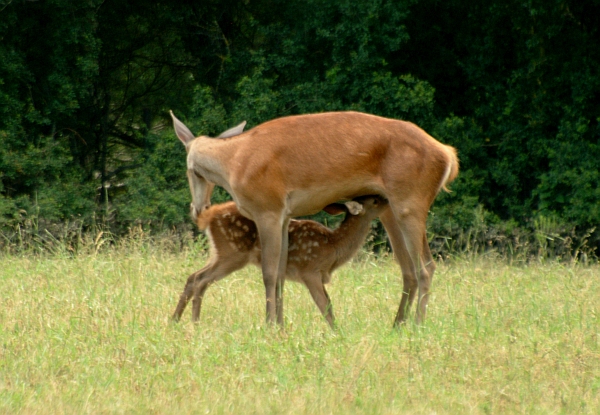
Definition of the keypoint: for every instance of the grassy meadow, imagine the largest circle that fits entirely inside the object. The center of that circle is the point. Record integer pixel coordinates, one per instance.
(90, 333)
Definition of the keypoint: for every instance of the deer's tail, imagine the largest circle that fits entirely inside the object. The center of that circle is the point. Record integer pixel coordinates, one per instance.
(451, 168)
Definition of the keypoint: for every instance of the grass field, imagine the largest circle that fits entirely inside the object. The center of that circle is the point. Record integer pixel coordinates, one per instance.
(91, 334)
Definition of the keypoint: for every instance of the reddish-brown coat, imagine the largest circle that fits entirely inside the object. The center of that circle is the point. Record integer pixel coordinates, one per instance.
(314, 252)
(294, 166)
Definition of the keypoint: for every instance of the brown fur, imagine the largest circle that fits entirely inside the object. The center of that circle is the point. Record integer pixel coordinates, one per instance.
(315, 251)
(293, 166)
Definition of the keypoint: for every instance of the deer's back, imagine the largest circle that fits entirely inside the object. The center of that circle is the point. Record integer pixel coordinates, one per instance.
(377, 156)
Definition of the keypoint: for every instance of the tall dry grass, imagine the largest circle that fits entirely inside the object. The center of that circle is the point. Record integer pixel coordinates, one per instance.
(90, 333)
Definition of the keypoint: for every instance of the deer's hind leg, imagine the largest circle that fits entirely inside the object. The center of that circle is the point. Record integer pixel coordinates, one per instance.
(409, 242)
(401, 255)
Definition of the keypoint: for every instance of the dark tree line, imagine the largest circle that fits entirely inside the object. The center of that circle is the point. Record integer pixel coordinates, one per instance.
(85, 89)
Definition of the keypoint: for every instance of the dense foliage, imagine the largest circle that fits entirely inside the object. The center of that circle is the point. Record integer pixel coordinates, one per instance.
(85, 89)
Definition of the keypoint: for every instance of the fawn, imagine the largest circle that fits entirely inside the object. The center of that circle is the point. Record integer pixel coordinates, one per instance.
(314, 252)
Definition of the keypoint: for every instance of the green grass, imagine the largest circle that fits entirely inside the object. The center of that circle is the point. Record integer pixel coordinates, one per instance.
(91, 334)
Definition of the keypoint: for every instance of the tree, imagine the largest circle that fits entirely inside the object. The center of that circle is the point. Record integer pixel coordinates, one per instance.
(85, 90)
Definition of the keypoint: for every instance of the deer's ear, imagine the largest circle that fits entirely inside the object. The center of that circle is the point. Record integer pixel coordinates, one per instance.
(237, 130)
(183, 133)
(335, 209)
(354, 208)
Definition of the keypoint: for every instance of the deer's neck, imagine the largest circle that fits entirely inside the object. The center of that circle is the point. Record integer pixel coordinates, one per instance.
(208, 158)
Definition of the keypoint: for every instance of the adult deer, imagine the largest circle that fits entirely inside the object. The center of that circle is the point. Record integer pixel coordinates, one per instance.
(315, 251)
(296, 165)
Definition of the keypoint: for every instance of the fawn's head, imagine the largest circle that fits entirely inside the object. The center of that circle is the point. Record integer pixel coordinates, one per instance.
(360, 206)
(372, 205)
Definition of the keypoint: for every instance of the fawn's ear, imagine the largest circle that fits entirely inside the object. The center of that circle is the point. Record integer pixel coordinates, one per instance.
(203, 219)
(355, 208)
(335, 209)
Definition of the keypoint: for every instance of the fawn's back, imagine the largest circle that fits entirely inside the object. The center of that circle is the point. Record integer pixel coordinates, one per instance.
(313, 248)
(232, 234)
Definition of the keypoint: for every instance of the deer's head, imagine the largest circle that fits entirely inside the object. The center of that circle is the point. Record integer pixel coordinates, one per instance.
(200, 188)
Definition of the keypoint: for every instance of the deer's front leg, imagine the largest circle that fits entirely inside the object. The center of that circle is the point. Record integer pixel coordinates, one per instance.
(282, 268)
(270, 232)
